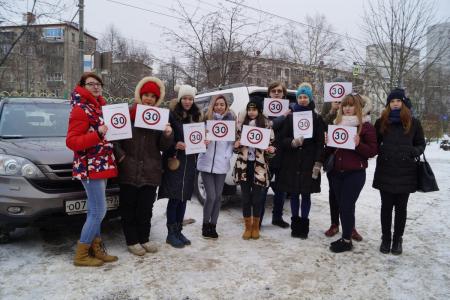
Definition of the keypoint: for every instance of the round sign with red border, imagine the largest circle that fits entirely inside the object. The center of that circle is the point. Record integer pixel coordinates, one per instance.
(254, 136)
(118, 120)
(337, 91)
(195, 137)
(151, 116)
(340, 136)
(220, 129)
(303, 124)
(275, 106)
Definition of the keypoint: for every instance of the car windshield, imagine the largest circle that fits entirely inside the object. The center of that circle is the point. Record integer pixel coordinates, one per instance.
(21, 120)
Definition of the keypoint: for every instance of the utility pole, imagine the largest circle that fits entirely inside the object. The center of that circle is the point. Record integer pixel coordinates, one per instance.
(81, 31)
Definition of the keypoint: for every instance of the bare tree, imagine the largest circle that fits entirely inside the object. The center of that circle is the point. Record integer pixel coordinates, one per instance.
(314, 43)
(130, 62)
(215, 43)
(396, 33)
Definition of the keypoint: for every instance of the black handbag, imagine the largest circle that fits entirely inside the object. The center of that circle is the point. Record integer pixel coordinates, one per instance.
(426, 182)
(328, 164)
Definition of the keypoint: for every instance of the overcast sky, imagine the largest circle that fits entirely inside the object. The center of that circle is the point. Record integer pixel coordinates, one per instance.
(146, 27)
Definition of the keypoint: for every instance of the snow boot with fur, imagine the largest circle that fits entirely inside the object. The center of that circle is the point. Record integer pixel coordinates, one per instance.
(248, 228)
(255, 228)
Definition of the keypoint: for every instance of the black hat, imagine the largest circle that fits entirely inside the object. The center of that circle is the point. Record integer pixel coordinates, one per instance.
(398, 93)
(254, 104)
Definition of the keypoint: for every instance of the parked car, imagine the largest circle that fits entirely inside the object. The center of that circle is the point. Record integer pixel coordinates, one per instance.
(445, 145)
(36, 182)
(238, 96)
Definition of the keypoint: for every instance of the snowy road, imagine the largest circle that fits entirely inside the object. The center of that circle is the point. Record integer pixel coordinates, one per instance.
(39, 266)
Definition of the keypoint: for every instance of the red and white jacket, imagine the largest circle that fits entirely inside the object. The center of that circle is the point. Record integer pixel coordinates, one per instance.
(93, 156)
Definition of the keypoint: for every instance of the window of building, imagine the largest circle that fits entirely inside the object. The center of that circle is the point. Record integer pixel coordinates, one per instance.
(53, 33)
(278, 72)
(286, 72)
(259, 68)
(73, 37)
(250, 68)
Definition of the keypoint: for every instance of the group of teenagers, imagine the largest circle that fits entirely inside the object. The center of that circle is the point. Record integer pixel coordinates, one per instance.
(153, 164)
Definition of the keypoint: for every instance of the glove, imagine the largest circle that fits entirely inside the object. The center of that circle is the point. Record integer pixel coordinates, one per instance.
(316, 169)
(297, 142)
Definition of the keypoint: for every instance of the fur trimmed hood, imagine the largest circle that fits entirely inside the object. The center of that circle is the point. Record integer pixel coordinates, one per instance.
(366, 105)
(162, 89)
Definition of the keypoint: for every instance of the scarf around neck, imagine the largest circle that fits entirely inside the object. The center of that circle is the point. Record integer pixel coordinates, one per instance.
(349, 121)
(297, 107)
(394, 116)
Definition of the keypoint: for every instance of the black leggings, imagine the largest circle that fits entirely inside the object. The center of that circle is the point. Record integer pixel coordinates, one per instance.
(388, 202)
(251, 193)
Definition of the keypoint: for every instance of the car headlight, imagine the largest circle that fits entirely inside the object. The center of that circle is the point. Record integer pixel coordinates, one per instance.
(17, 166)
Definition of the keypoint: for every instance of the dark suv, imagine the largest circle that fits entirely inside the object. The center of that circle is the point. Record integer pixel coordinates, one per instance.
(36, 166)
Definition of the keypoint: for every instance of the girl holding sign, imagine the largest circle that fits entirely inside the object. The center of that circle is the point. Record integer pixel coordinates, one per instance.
(252, 169)
(301, 162)
(93, 164)
(214, 165)
(179, 168)
(140, 170)
(348, 175)
(401, 140)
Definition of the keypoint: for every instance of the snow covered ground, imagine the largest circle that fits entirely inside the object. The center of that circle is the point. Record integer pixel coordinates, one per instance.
(38, 265)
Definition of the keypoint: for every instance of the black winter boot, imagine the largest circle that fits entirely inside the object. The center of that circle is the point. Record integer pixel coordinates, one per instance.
(295, 227)
(206, 231)
(397, 248)
(385, 246)
(181, 236)
(304, 228)
(212, 231)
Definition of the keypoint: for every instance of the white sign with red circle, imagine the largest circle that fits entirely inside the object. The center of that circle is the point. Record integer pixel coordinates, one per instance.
(151, 117)
(255, 137)
(194, 137)
(220, 130)
(275, 107)
(303, 124)
(117, 119)
(341, 136)
(335, 91)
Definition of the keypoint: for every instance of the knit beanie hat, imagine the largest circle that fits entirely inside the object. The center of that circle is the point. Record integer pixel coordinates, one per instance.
(185, 90)
(150, 87)
(398, 93)
(306, 89)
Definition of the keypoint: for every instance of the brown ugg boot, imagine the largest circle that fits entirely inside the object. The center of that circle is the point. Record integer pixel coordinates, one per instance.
(248, 228)
(99, 251)
(255, 228)
(82, 258)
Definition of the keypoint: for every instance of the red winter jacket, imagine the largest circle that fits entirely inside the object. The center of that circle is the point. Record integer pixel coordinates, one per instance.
(93, 156)
(351, 160)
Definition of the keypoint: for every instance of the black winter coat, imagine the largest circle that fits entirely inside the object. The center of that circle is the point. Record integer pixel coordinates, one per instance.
(178, 184)
(396, 169)
(297, 163)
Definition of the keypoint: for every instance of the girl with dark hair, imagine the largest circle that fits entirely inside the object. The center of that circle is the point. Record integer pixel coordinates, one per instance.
(213, 166)
(93, 164)
(301, 162)
(179, 168)
(348, 175)
(252, 169)
(400, 140)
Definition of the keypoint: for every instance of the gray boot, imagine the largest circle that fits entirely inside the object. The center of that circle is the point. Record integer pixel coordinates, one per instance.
(172, 236)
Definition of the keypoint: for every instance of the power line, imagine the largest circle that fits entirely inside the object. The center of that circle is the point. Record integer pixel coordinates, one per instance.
(288, 19)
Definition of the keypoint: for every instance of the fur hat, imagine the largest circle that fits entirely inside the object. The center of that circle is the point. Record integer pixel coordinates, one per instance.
(152, 83)
(306, 89)
(366, 105)
(185, 90)
(398, 93)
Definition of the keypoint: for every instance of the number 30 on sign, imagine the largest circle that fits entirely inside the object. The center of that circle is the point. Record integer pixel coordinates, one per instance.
(220, 130)
(341, 136)
(117, 119)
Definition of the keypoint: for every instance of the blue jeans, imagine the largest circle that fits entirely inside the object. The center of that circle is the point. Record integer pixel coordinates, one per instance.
(278, 203)
(295, 205)
(96, 209)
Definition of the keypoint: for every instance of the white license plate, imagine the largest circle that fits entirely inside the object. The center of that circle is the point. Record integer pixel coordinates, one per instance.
(80, 206)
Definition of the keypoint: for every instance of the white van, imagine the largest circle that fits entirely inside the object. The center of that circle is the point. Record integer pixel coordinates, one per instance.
(238, 96)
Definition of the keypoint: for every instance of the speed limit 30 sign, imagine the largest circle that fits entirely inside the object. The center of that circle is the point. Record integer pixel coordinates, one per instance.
(117, 119)
(275, 107)
(341, 136)
(255, 137)
(194, 137)
(220, 130)
(151, 117)
(335, 91)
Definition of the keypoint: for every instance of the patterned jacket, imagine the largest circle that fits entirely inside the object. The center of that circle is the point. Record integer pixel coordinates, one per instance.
(261, 160)
(93, 156)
